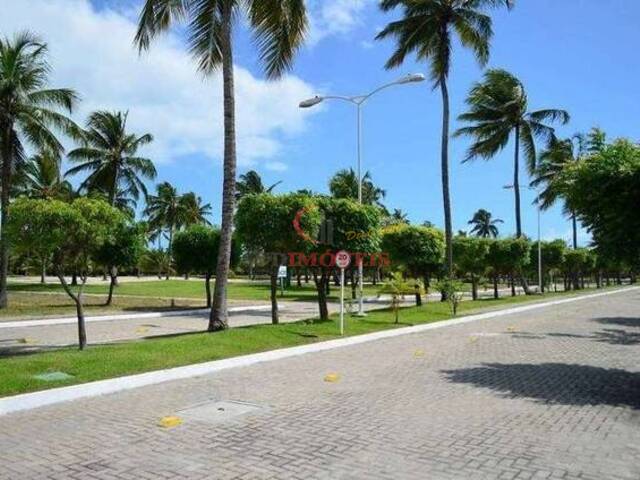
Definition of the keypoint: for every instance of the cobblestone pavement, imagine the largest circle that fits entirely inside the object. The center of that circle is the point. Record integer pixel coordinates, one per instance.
(552, 393)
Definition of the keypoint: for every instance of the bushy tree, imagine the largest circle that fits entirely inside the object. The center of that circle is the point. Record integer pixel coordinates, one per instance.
(470, 254)
(121, 251)
(604, 191)
(345, 216)
(417, 250)
(195, 250)
(74, 234)
(552, 260)
(264, 222)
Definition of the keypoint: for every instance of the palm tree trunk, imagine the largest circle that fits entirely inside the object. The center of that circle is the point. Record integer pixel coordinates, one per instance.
(7, 159)
(274, 294)
(169, 251)
(445, 176)
(516, 182)
(574, 224)
(218, 319)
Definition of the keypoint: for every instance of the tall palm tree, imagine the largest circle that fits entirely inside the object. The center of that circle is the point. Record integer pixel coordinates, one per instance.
(41, 178)
(193, 211)
(29, 115)
(498, 108)
(164, 210)
(344, 184)
(279, 27)
(110, 155)
(251, 182)
(427, 28)
(484, 225)
(552, 161)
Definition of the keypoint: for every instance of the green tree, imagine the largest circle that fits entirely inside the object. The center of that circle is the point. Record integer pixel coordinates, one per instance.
(42, 178)
(427, 28)
(471, 259)
(552, 260)
(109, 154)
(397, 287)
(156, 261)
(264, 223)
(344, 184)
(195, 250)
(418, 250)
(484, 225)
(279, 27)
(164, 211)
(193, 211)
(604, 191)
(346, 216)
(498, 110)
(251, 182)
(553, 160)
(29, 116)
(121, 251)
(507, 257)
(73, 233)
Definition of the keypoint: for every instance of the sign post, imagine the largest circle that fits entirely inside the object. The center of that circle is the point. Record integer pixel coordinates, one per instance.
(343, 259)
(282, 274)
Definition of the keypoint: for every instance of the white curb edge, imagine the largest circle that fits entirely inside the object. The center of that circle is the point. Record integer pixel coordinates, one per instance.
(125, 316)
(33, 400)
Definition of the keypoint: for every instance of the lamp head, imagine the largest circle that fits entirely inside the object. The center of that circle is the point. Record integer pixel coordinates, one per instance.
(412, 78)
(310, 102)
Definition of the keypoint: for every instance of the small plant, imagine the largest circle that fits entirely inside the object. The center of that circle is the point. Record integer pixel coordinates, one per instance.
(397, 287)
(451, 290)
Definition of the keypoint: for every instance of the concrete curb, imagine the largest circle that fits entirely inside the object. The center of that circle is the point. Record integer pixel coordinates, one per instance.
(33, 400)
(125, 316)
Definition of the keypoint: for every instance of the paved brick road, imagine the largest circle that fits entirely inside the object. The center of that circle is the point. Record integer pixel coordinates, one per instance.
(550, 394)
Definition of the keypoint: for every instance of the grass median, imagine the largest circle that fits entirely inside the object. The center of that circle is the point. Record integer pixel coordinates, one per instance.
(100, 362)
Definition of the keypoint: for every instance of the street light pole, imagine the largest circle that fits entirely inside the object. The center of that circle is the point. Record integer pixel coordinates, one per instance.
(508, 187)
(358, 101)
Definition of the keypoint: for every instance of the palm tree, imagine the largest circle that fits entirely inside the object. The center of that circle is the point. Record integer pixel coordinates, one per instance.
(279, 27)
(427, 28)
(164, 210)
(552, 162)
(484, 225)
(109, 154)
(193, 211)
(498, 108)
(344, 184)
(28, 116)
(251, 182)
(398, 216)
(41, 178)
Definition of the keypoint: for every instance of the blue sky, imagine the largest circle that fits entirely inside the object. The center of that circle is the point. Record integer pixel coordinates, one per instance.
(580, 55)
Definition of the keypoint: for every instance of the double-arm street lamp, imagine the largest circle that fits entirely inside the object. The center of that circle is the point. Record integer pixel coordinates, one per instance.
(358, 101)
(509, 187)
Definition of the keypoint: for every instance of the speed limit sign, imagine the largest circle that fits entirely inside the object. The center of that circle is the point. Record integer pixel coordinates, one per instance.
(343, 259)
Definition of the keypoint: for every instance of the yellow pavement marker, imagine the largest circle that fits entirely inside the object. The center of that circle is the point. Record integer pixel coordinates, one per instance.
(418, 353)
(332, 377)
(511, 329)
(170, 421)
(141, 330)
(473, 339)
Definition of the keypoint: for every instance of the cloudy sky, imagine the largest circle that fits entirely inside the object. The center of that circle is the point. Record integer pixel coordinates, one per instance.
(572, 54)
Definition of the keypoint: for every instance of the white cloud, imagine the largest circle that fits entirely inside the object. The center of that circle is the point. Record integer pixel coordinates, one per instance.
(335, 17)
(276, 166)
(92, 51)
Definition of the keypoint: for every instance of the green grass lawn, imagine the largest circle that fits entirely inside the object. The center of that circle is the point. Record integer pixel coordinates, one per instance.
(25, 304)
(107, 361)
(188, 289)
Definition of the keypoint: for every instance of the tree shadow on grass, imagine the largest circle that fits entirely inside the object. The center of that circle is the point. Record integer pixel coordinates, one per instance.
(555, 383)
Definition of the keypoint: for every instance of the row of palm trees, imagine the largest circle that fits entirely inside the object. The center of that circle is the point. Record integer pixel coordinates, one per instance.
(427, 28)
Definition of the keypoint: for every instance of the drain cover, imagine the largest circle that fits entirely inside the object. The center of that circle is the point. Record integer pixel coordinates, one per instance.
(218, 411)
(53, 376)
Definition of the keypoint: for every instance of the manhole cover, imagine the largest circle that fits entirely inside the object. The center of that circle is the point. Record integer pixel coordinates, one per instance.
(218, 411)
(53, 376)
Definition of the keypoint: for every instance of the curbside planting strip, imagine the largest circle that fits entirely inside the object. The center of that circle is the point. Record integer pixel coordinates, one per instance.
(33, 400)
